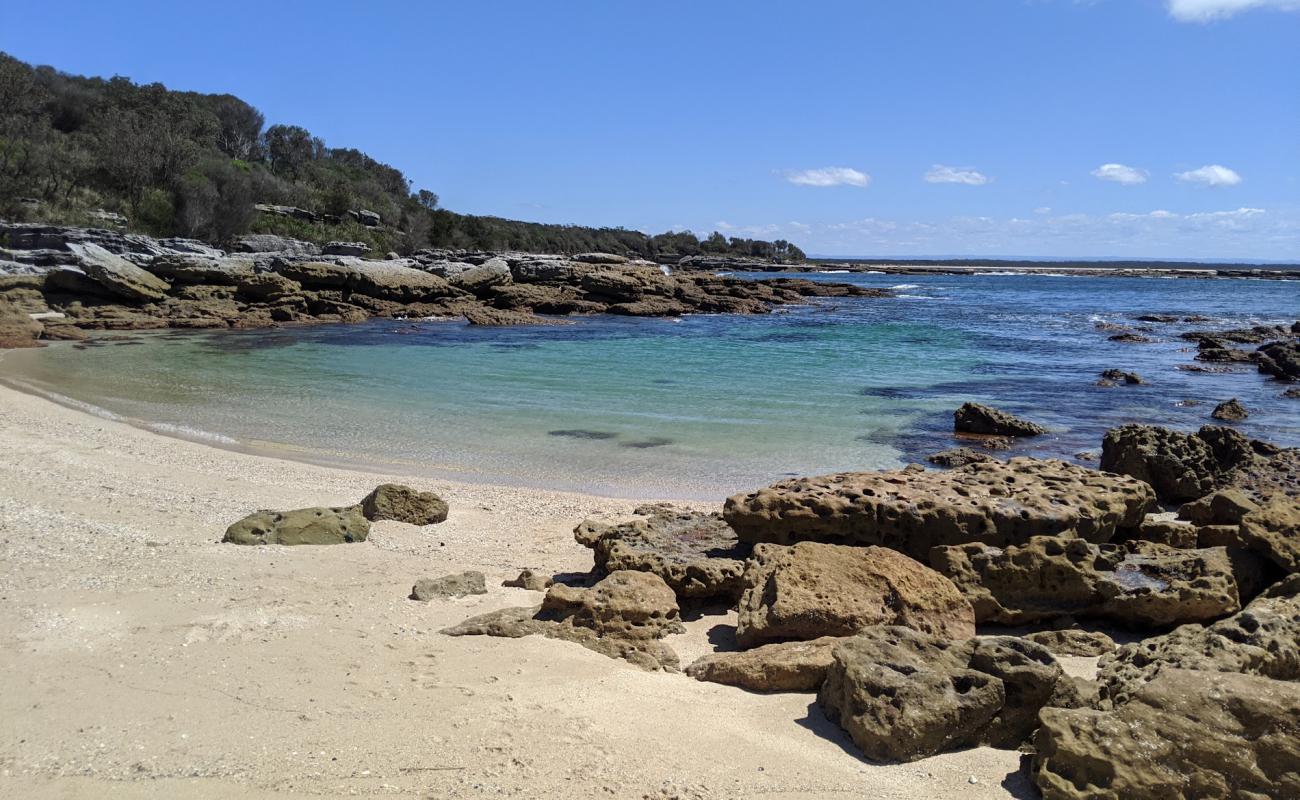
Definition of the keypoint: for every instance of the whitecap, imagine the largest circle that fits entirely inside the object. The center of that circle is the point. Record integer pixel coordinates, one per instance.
(902, 286)
(186, 432)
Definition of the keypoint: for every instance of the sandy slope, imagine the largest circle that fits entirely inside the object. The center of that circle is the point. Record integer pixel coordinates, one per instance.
(140, 658)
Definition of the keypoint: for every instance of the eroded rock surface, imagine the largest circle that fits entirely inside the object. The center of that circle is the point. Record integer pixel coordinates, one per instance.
(404, 504)
(997, 503)
(1074, 642)
(982, 419)
(1137, 583)
(811, 590)
(697, 554)
(903, 695)
(461, 584)
(624, 616)
(779, 667)
(1186, 734)
(319, 525)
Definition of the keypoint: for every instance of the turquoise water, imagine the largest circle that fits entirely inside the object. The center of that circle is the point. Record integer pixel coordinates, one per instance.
(697, 407)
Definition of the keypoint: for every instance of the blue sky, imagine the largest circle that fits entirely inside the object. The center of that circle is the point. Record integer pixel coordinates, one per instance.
(1149, 128)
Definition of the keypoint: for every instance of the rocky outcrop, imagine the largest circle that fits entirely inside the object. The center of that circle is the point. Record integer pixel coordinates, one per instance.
(696, 554)
(1280, 359)
(988, 421)
(17, 328)
(319, 525)
(461, 584)
(482, 279)
(958, 457)
(270, 243)
(1262, 639)
(1273, 532)
(903, 695)
(1185, 734)
(1230, 411)
(997, 503)
(530, 579)
(1074, 642)
(404, 504)
(624, 616)
(811, 590)
(117, 275)
(780, 667)
(1136, 584)
(1179, 466)
(1119, 376)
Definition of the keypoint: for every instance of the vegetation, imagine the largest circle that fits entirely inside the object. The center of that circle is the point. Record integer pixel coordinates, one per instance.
(186, 164)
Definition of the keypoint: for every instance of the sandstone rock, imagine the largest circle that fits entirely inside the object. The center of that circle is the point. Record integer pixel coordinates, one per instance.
(696, 554)
(404, 504)
(981, 419)
(600, 258)
(1137, 583)
(1274, 532)
(1262, 639)
(1172, 532)
(269, 243)
(622, 616)
(812, 590)
(998, 503)
(1183, 735)
(395, 282)
(628, 284)
(202, 269)
(17, 328)
(543, 299)
(958, 457)
(531, 580)
(118, 275)
(315, 274)
(268, 287)
(1130, 338)
(301, 526)
(460, 584)
(650, 307)
(903, 695)
(482, 279)
(345, 248)
(1120, 376)
(498, 318)
(1074, 642)
(780, 667)
(1230, 411)
(1280, 359)
(1179, 466)
(1224, 507)
(549, 271)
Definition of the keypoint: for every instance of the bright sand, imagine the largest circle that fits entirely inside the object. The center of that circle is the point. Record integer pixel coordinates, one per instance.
(143, 659)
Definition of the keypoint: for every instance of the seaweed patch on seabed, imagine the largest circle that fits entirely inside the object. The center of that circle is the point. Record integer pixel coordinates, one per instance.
(581, 434)
(645, 444)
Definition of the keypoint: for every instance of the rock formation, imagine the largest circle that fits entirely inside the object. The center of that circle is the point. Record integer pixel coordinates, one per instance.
(301, 526)
(779, 667)
(811, 590)
(985, 420)
(997, 503)
(1074, 642)
(404, 504)
(461, 584)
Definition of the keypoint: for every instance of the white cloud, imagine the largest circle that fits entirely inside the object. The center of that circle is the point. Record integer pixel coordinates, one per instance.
(829, 176)
(942, 174)
(1211, 10)
(1043, 210)
(1120, 173)
(1210, 175)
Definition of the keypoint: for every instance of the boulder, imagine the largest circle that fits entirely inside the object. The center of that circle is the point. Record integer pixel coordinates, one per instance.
(117, 275)
(496, 317)
(628, 285)
(1280, 359)
(958, 457)
(1179, 466)
(268, 287)
(548, 270)
(1074, 642)
(778, 667)
(600, 258)
(695, 553)
(1186, 734)
(981, 419)
(1224, 507)
(404, 504)
(461, 584)
(1261, 639)
(17, 328)
(1230, 411)
(315, 274)
(202, 269)
(1136, 584)
(623, 616)
(270, 243)
(531, 580)
(318, 525)
(811, 590)
(345, 248)
(997, 503)
(1117, 376)
(1273, 532)
(650, 307)
(1172, 532)
(395, 281)
(480, 280)
(542, 299)
(903, 695)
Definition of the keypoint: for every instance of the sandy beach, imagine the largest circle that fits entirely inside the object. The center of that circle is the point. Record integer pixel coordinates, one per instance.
(145, 659)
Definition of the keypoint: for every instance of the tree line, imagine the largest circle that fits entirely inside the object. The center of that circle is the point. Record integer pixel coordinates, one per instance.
(195, 165)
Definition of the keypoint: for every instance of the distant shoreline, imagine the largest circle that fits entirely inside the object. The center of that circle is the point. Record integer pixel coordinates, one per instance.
(1153, 269)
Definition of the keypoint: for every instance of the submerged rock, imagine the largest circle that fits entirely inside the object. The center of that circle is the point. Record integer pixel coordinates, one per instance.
(1186, 734)
(997, 503)
(1230, 411)
(404, 504)
(695, 553)
(903, 695)
(1117, 376)
(460, 584)
(982, 419)
(623, 616)
(319, 525)
(813, 590)
(1137, 584)
(780, 667)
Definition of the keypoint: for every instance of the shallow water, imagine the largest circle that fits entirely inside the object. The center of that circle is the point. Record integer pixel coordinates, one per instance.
(696, 407)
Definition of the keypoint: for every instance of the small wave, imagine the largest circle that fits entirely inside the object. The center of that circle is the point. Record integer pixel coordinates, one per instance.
(89, 408)
(903, 286)
(186, 432)
(874, 272)
(999, 273)
(833, 271)
(915, 297)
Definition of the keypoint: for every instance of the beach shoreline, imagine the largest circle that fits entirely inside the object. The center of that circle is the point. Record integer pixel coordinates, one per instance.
(150, 660)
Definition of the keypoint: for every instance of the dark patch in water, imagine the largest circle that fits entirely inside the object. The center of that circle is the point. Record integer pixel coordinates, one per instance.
(516, 346)
(645, 444)
(581, 434)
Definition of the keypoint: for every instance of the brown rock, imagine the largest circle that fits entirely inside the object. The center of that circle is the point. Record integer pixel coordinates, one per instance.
(1274, 532)
(981, 419)
(117, 275)
(1185, 734)
(1224, 507)
(1230, 411)
(318, 525)
(958, 457)
(998, 503)
(498, 318)
(1179, 466)
(460, 584)
(1074, 642)
(813, 590)
(404, 504)
(780, 667)
(17, 328)
(531, 580)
